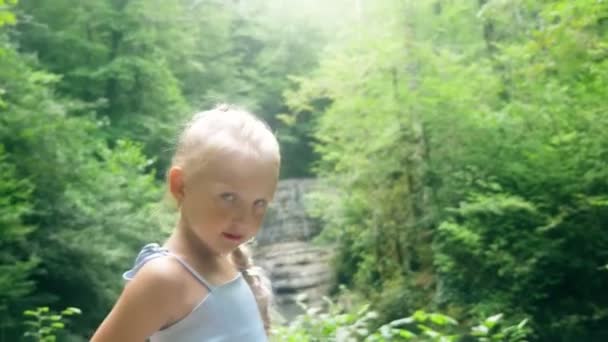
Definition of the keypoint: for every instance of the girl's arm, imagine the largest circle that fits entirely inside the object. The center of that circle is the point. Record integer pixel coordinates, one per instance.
(147, 303)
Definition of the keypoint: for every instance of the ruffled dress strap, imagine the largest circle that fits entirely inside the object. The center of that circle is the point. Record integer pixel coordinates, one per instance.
(154, 250)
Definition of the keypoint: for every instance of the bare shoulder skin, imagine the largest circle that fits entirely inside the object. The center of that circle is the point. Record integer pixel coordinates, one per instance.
(155, 298)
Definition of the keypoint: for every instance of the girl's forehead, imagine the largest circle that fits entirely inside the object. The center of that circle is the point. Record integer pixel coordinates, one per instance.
(247, 172)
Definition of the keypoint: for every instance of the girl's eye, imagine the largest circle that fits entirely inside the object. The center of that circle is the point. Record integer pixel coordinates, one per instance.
(260, 203)
(228, 197)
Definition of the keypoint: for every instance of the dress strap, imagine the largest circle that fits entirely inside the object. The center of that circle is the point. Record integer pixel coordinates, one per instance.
(193, 272)
(152, 251)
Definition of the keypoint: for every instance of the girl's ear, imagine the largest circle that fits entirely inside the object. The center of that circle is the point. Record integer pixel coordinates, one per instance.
(176, 183)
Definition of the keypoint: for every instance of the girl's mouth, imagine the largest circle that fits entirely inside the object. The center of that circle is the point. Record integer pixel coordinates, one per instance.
(232, 236)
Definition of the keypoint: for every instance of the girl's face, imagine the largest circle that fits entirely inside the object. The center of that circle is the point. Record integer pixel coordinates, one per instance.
(224, 205)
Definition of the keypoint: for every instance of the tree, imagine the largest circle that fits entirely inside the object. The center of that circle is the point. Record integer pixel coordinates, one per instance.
(462, 132)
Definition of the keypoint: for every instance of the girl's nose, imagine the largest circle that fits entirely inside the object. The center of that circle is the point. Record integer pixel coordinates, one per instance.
(243, 214)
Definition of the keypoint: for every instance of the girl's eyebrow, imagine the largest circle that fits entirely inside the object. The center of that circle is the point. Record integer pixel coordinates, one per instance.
(236, 191)
(265, 199)
(225, 185)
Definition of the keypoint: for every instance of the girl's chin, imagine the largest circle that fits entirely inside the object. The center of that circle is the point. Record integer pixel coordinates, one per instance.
(226, 247)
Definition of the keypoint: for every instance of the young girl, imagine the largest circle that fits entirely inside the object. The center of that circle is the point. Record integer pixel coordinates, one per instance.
(200, 285)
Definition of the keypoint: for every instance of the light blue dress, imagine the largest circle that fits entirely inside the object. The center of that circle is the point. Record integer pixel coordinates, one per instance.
(229, 313)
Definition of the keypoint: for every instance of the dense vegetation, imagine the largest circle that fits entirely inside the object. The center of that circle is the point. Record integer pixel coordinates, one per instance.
(464, 142)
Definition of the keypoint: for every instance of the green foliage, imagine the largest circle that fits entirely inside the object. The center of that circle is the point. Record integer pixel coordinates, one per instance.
(7, 17)
(44, 324)
(145, 66)
(492, 253)
(338, 323)
(74, 209)
(461, 144)
(16, 264)
(92, 95)
(464, 145)
(108, 211)
(115, 57)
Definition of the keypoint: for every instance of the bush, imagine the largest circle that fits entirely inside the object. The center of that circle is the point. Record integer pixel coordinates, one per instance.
(337, 323)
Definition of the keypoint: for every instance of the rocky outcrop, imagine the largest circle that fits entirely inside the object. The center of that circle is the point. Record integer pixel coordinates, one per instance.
(296, 268)
(287, 219)
(284, 250)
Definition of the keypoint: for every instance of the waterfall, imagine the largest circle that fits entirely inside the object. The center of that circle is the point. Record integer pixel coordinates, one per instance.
(284, 250)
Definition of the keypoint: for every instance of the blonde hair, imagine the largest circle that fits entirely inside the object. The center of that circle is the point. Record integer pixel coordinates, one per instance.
(228, 129)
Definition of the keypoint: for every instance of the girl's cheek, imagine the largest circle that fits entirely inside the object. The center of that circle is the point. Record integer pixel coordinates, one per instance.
(220, 212)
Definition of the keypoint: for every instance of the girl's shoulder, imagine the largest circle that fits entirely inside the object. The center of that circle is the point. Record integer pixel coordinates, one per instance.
(162, 273)
(160, 265)
(158, 272)
(159, 282)
(150, 300)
